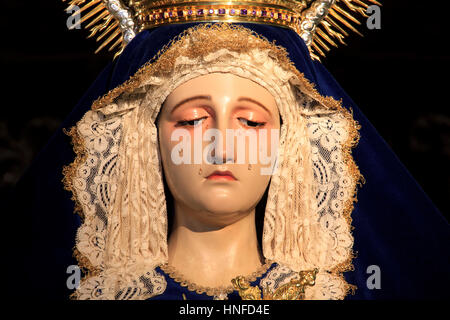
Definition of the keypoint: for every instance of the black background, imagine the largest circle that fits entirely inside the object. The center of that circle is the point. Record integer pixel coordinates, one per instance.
(397, 75)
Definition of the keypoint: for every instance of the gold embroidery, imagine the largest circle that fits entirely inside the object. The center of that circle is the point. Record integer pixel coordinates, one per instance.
(294, 290)
(218, 291)
(235, 38)
(246, 292)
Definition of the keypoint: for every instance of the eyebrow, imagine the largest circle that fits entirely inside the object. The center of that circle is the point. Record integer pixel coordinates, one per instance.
(209, 98)
(255, 102)
(189, 99)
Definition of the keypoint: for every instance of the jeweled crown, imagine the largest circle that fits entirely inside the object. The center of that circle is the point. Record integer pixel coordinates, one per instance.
(320, 23)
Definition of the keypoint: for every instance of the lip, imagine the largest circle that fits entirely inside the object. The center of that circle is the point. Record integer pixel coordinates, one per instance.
(221, 175)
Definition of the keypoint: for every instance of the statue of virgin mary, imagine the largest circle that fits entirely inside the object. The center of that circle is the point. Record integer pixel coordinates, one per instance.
(312, 204)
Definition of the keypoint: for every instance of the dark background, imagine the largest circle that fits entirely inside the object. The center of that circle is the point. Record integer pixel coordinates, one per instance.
(397, 76)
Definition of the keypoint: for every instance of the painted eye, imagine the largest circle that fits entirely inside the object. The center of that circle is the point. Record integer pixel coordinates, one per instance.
(252, 124)
(191, 123)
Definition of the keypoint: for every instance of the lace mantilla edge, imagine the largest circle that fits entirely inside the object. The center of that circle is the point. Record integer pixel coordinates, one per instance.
(69, 171)
(358, 180)
(165, 62)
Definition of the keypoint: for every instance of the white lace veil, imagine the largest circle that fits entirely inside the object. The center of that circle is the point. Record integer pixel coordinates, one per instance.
(116, 178)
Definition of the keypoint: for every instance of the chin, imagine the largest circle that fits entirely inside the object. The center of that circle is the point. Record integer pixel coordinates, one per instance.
(224, 205)
(223, 217)
(220, 206)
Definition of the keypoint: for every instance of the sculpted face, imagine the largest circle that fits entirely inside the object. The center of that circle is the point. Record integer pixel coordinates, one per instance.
(218, 139)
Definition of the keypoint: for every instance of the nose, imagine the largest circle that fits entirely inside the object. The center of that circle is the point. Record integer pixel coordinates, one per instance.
(223, 152)
(220, 158)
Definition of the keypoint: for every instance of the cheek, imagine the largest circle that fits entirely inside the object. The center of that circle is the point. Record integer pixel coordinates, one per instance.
(176, 174)
(184, 183)
(252, 186)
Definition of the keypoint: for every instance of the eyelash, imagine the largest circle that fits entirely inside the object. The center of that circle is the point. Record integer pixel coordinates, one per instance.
(257, 124)
(246, 122)
(185, 123)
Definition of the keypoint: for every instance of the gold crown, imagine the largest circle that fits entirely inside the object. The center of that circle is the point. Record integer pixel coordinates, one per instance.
(320, 23)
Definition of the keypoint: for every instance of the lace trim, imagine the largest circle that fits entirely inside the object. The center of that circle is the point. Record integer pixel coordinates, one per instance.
(213, 292)
(358, 181)
(70, 171)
